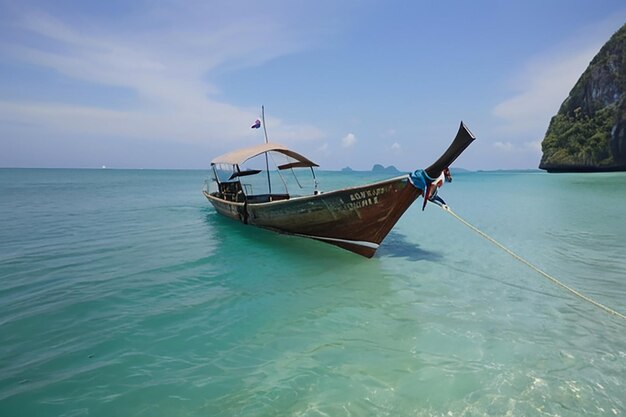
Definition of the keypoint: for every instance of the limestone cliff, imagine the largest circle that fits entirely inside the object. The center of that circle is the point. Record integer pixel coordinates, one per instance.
(589, 131)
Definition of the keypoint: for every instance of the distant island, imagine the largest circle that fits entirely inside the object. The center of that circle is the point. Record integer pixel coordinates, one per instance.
(388, 170)
(393, 170)
(588, 134)
(376, 168)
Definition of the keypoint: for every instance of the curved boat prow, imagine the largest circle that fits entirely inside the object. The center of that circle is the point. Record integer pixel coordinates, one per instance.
(462, 140)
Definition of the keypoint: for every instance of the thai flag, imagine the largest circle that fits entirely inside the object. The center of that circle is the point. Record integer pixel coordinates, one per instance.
(256, 124)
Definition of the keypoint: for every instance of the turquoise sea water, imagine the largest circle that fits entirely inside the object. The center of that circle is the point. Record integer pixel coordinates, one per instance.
(122, 293)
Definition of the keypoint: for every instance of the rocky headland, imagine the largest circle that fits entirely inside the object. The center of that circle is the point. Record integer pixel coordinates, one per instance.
(588, 134)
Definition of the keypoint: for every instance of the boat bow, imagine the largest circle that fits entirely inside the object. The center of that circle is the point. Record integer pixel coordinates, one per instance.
(461, 141)
(425, 179)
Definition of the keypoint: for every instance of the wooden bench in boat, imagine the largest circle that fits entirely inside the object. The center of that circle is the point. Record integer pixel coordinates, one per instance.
(266, 198)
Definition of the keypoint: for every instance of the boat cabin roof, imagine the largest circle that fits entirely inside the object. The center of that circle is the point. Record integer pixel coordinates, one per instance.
(240, 156)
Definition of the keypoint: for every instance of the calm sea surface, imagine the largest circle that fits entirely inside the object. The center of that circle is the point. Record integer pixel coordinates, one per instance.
(122, 293)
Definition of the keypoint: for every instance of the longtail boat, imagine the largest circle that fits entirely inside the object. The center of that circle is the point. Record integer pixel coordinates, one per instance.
(355, 218)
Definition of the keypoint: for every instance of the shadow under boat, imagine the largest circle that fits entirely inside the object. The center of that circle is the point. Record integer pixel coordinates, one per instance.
(397, 245)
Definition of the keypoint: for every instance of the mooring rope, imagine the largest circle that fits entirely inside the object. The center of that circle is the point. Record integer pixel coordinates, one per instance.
(533, 267)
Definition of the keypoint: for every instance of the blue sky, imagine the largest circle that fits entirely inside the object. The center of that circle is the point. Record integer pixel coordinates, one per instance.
(172, 84)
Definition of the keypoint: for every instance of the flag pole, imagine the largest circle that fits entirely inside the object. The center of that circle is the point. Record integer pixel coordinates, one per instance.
(263, 119)
(267, 164)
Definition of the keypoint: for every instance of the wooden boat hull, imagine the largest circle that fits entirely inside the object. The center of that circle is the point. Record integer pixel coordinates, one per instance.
(356, 219)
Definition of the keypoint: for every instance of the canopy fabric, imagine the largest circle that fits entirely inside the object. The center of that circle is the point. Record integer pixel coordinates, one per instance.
(240, 156)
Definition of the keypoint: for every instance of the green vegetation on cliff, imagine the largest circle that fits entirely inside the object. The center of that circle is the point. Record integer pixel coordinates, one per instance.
(579, 139)
(589, 131)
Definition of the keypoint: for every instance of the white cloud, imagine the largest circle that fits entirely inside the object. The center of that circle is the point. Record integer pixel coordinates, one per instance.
(546, 83)
(503, 146)
(526, 147)
(533, 146)
(348, 141)
(395, 147)
(547, 79)
(166, 69)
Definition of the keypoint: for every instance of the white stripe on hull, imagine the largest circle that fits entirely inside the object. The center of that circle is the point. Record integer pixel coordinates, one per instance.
(363, 243)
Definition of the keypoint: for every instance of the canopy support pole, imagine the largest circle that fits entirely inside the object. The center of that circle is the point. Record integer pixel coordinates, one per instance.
(267, 164)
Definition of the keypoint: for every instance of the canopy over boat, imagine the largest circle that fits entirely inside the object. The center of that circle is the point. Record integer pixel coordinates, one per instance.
(240, 156)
